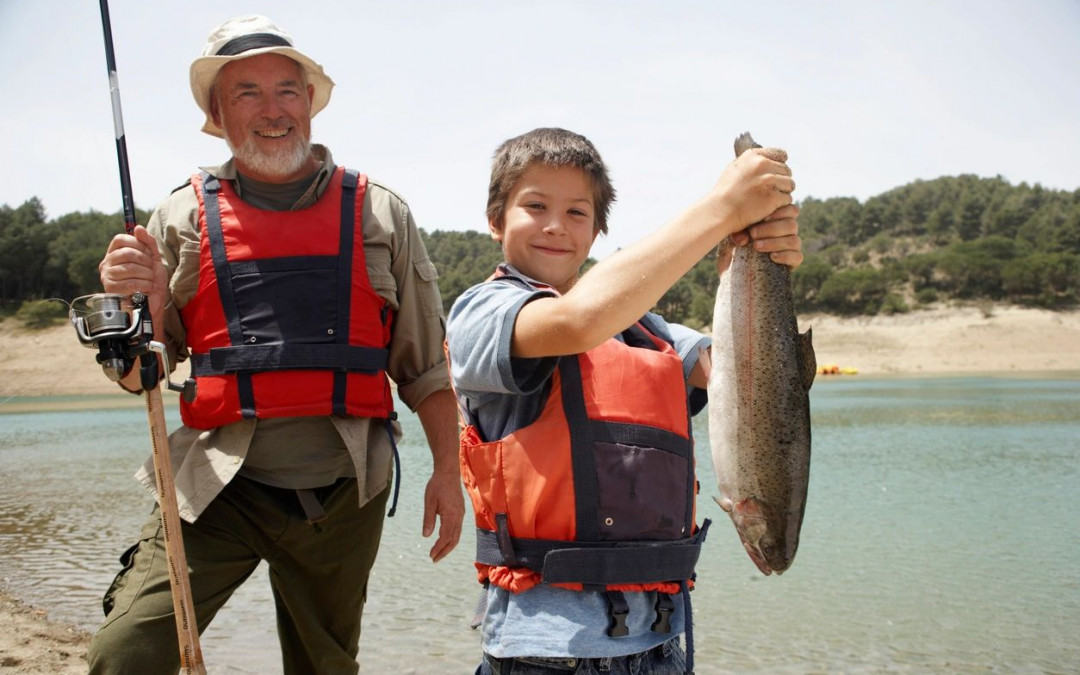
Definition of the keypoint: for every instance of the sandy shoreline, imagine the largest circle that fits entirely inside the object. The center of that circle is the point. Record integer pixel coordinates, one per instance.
(937, 341)
(31, 643)
(53, 371)
(954, 340)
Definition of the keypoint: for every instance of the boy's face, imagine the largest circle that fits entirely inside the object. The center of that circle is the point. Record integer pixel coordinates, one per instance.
(549, 224)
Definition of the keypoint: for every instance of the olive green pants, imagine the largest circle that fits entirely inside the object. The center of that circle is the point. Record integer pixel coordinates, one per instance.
(318, 574)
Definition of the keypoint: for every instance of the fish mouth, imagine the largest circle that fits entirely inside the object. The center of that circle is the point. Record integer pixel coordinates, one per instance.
(767, 557)
(758, 558)
(760, 529)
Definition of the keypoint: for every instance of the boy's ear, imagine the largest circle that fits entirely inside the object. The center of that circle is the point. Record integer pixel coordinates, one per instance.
(496, 229)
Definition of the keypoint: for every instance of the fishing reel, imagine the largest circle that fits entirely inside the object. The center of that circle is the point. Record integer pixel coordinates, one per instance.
(119, 327)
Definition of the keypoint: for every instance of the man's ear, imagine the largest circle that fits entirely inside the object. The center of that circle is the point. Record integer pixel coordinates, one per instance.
(496, 229)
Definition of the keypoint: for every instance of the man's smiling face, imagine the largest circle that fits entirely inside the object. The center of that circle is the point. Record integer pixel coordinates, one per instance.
(264, 106)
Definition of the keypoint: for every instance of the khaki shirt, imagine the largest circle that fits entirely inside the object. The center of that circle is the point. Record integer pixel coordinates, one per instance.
(400, 271)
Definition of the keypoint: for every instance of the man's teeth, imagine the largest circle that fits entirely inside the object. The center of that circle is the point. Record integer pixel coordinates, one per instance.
(273, 133)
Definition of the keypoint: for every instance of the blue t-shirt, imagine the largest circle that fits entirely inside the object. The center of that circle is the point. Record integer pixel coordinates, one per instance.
(503, 394)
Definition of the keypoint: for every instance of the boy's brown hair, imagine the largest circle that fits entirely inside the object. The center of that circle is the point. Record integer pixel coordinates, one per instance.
(553, 147)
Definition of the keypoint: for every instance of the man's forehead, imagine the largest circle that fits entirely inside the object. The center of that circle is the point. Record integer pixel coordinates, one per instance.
(277, 66)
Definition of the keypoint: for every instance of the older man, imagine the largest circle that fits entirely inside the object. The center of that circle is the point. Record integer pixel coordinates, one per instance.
(298, 289)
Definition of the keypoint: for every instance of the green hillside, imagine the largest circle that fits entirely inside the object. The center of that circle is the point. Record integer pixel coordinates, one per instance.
(953, 238)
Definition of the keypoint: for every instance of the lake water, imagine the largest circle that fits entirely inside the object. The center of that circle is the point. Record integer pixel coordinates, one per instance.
(942, 535)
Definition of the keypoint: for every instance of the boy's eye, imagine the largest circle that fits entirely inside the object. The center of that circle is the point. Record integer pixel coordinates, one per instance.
(534, 205)
(578, 212)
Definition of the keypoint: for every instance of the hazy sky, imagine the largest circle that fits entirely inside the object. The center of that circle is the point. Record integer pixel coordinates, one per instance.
(865, 96)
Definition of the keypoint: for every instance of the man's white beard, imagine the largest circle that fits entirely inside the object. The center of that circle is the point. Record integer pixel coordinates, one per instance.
(282, 164)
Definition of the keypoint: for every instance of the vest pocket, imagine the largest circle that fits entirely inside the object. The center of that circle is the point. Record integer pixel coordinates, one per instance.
(287, 299)
(481, 471)
(642, 492)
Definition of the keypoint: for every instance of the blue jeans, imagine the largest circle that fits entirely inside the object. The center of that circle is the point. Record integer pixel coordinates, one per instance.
(666, 659)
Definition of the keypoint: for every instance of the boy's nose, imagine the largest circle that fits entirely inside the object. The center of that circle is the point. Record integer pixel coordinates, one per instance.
(554, 225)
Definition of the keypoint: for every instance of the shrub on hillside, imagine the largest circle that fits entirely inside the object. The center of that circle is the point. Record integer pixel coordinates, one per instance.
(42, 313)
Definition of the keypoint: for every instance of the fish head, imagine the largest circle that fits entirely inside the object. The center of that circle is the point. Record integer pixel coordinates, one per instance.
(770, 535)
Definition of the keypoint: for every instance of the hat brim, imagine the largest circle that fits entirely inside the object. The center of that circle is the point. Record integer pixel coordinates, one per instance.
(204, 71)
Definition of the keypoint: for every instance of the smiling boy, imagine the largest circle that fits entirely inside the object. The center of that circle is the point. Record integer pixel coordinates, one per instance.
(576, 447)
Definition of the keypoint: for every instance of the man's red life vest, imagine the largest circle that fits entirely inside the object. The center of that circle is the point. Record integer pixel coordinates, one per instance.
(598, 493)
(285, 322)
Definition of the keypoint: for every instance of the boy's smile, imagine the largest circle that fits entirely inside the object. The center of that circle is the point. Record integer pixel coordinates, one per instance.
(549, 224)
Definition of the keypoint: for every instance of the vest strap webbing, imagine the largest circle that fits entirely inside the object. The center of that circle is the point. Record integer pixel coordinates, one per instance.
(597, 563)
(586, 482)
(289, 356)
(216, 238)
(621, 566)
(346, 243)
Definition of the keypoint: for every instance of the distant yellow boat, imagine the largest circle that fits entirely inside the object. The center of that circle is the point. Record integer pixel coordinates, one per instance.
(833, 369)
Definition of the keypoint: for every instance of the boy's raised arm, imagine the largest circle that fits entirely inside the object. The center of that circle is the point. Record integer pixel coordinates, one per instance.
(753, 195)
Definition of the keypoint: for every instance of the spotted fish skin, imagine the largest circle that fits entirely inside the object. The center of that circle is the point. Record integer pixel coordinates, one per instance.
(759, 404)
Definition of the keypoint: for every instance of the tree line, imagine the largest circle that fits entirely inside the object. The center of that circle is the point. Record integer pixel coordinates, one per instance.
(952, 238)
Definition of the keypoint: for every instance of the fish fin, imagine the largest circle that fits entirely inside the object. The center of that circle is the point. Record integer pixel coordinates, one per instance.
(744, 142)
(724, 503)
(807, 358)
(724, 251)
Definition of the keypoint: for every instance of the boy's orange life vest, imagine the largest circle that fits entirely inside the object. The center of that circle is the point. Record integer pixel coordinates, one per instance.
(599, 492)
(285, 322)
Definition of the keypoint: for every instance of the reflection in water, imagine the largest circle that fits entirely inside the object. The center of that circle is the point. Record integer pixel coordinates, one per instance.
(940, 536)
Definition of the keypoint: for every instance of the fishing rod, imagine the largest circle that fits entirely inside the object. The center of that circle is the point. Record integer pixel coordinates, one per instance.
(121, 329)
(118, 122)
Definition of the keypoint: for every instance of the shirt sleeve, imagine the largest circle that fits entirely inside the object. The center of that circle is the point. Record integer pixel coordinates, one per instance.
(174, 224)
(479, 337)
(402, 273)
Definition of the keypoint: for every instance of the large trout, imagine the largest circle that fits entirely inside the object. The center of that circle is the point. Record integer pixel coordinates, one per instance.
(759, 403)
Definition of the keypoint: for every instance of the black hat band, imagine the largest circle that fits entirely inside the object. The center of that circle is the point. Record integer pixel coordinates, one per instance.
(246, 43)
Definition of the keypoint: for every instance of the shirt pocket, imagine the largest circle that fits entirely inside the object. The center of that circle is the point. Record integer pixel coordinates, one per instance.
(379, 275)
(428, 286)
(185, 280)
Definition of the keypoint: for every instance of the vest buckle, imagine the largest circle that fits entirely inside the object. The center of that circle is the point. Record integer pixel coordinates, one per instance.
(665, 606)
(618, 610)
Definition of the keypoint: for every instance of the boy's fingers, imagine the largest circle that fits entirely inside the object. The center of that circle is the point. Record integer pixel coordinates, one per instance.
(790, 258)
(790, 242)
(790, 211)
(785, 184)
(779, 227)
(775, 154)
(740, 238)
